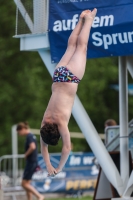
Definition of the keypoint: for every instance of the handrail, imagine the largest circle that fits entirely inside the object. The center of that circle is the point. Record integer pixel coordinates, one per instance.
(115, 138)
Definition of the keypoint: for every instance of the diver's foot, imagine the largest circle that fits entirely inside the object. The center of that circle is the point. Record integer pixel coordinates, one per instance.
(90, 14)
(82, 15)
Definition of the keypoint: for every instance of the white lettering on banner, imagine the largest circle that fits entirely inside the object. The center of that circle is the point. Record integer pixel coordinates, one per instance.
(64, 25)
(87, 160)
(98, 38)
(111, 39)
(94, 170)
(41, 175)
(107, 20)
(75, 160)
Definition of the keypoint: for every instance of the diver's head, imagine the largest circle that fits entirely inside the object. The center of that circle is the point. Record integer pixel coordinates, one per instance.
(50, 134)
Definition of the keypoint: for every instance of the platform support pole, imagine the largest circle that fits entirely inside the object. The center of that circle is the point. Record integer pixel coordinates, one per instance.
(123, 114)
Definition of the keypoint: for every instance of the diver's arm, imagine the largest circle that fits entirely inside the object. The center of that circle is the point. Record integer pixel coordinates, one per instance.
(45, 154)
(66, 147)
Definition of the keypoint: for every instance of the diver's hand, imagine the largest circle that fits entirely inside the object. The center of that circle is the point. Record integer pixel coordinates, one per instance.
(54, 174)
(58, 170)
(51, 170)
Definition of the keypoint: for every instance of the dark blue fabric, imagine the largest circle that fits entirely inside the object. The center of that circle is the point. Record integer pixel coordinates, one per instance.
(29, 139)
(29, 170)
(112, 36)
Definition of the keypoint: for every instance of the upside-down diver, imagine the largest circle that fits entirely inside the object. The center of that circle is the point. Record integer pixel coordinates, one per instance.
(67, 75)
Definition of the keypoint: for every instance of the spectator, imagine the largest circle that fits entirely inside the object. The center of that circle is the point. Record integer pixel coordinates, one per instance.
(23, 129)
(110, 122)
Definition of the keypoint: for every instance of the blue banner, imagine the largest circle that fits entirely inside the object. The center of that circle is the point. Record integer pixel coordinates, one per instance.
(79, 173)
(111, 33)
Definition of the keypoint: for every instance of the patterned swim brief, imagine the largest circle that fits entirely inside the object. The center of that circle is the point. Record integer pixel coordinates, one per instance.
(62, 74)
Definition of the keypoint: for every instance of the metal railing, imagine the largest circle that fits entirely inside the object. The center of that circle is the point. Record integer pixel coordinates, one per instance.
(11, 170)
(31, 16)
(12, 166)
(113, 144)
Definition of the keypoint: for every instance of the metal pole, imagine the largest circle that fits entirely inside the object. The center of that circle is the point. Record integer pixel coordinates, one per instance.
(129, 60)
(14, 152)
(123, 113)
(14, 140)
(90, 133)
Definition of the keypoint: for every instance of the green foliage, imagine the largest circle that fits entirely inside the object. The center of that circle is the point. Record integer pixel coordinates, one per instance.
(71, 198)
(100, 74)
(25, 87)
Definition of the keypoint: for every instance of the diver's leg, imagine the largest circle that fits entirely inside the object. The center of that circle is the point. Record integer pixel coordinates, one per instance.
(72, 42)
(78, 61)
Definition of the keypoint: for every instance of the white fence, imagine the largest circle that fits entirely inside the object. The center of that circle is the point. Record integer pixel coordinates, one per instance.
(11, 170)
(31, 16)
(80, 169)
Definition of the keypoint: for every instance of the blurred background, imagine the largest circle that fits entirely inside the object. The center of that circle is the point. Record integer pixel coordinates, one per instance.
(25, 87)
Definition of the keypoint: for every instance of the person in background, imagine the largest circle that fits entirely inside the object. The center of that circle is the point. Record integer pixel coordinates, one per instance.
(23, 129)
(110, 122)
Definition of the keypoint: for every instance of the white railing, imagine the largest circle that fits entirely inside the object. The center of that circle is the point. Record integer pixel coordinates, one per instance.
(10, 177)
(31, 16)
(11, 170)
